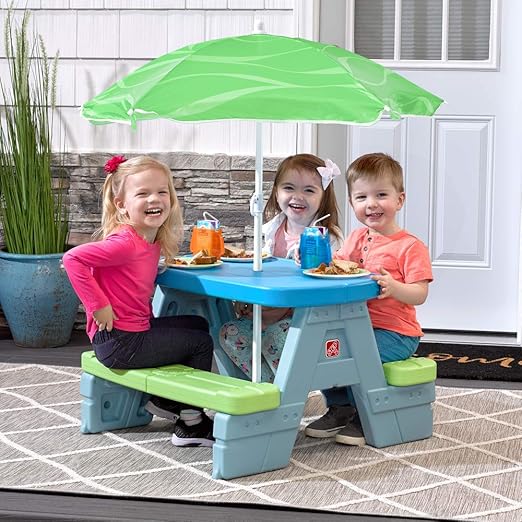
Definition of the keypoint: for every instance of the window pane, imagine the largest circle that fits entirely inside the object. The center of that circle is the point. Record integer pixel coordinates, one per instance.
(374, 25)
(468, 31)
(421, 24)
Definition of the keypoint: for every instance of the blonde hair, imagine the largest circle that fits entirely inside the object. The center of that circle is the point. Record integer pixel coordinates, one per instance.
(170, 234)
(374, 166)
(328, 205)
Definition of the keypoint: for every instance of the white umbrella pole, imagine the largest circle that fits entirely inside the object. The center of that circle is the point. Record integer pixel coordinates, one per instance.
(256, 208)
(256, 344)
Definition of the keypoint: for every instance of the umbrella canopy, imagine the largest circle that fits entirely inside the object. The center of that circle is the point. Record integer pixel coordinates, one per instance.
(260, 77)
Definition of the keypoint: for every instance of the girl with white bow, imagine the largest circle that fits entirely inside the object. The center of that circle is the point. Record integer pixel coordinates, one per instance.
(302, 192)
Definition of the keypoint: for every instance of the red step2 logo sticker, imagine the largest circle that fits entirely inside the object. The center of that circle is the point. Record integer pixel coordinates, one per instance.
(332, 348)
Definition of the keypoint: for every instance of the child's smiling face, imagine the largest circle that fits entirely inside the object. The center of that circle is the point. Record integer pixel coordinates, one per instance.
(146, 201)
(376, 203)
(299, 195)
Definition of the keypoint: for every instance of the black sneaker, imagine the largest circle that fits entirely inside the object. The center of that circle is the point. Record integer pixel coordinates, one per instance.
(331, 422)
(197, 435)
(352, 434)
(164, 408)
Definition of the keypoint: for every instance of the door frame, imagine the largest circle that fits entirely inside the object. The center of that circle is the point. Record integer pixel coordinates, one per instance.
(334, 20)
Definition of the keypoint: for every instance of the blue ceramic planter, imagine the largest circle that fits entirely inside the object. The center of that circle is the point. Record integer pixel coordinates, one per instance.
(37, 298)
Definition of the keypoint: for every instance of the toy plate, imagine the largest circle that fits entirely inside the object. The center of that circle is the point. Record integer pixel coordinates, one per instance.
(362, 272)
(264, 257)
(196, 267)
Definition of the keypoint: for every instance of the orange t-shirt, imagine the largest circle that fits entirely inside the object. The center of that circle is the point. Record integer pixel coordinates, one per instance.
(406, 258)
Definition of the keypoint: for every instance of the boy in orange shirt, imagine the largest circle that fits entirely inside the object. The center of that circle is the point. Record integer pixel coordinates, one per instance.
(402, 268)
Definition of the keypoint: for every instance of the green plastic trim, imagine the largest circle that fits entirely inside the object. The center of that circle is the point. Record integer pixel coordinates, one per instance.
(191, 386)
(415, 370)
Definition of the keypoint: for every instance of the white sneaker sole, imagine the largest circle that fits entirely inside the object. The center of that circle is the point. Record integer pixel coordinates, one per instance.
(350, 441)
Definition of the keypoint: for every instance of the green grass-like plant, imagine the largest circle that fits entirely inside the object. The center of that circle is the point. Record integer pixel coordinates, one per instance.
(33, 203)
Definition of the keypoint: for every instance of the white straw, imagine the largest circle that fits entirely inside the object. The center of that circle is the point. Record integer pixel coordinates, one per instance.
(205, 214)
(320, 219)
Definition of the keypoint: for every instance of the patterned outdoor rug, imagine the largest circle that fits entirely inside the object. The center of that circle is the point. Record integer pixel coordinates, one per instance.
(471, 469)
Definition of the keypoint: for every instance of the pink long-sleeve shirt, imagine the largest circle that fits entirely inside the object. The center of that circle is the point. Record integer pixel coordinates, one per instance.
(120, 270)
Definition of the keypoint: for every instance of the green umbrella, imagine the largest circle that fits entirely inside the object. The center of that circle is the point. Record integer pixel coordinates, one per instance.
(260, 77)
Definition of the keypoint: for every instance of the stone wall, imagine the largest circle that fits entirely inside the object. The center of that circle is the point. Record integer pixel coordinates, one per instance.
(219, 184)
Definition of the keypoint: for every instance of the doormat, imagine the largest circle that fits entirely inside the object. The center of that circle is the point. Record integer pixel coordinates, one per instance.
(472, 361)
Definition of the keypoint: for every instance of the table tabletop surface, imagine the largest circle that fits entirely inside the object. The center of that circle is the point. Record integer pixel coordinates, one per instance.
(280, 283)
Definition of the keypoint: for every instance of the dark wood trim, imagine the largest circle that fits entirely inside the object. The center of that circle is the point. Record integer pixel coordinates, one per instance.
(43, 505)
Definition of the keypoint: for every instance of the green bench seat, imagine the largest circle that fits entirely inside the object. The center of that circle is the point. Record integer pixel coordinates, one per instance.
(188, 385)
(415, 370)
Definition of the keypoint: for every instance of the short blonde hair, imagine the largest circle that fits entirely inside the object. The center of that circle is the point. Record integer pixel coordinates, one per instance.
(373, 166)
(170, 234)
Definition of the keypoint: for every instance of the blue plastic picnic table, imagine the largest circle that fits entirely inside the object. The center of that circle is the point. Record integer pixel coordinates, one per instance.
(330, 343)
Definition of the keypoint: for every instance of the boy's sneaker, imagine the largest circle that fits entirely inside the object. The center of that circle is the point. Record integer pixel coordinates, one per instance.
(352, 433)
(197, 435)
(164, 408)
(331, 422)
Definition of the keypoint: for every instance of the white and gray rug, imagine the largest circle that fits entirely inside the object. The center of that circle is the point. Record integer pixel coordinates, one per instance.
(471, 469)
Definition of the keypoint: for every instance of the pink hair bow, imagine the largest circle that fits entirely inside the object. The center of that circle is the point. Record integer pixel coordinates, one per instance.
(328, 173)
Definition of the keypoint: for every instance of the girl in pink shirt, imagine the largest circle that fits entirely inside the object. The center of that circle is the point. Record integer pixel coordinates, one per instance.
(115, 280)
(302, 193)
(402, 268)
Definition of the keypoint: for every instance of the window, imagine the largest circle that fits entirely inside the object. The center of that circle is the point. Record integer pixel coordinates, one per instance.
(427, 33)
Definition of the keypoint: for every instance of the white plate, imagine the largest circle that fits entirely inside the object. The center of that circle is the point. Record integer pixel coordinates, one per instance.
(196, 267)
(361, 273)
(244, 259)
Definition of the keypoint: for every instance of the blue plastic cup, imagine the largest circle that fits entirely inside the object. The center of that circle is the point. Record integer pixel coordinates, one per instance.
(314, 247)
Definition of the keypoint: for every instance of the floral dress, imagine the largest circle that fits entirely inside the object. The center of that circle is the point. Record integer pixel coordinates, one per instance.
(235, 337)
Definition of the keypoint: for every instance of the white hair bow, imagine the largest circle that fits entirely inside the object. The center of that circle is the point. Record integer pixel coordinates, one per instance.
(328, 173)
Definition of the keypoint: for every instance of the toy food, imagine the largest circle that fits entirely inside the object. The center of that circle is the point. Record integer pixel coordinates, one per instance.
(337, 267)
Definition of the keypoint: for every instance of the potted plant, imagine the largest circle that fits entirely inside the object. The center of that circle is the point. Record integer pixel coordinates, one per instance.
(35, 294)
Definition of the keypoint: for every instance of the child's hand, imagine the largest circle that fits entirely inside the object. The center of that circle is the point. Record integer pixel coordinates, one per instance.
(388, 285)
(407, 293)
(104, 318)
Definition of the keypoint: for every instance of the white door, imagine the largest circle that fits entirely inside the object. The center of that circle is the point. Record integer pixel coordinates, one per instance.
(463, 182)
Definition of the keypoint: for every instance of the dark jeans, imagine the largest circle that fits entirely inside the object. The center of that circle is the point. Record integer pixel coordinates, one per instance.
(178, 339)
